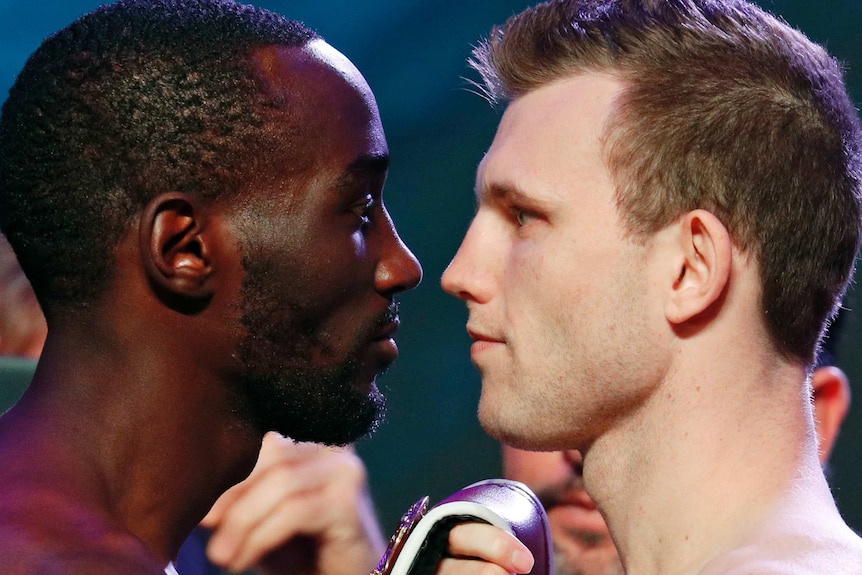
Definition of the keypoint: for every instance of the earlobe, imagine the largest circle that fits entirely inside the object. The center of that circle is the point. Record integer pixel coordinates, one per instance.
(831, 396)
(174, 248)
(703, 263)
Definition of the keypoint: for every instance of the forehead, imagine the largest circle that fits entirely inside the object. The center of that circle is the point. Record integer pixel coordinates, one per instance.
(316, 69)
(549, 141)
(324, 96)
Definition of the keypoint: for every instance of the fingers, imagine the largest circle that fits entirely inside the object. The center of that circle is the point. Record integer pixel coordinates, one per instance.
(500, 551)
(277, 455)
(244, 546)
(300, 500)
(453, 566)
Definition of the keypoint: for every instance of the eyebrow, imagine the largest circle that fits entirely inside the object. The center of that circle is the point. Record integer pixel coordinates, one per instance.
(505, 191)
(483, 191)
(366, 164)
(498, 190)
(372, 163)
(508, 193)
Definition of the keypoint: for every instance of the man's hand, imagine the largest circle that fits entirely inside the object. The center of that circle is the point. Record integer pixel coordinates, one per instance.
(500, 552)
(304, 510)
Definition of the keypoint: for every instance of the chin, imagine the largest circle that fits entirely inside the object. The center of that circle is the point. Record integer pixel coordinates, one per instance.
(507, 434)
(320, 409)
(524, 435)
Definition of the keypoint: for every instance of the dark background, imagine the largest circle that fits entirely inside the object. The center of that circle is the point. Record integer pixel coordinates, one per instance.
(413, 54)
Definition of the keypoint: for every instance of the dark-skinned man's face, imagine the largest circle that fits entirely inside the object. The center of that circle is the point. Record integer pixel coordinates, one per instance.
(322, 258)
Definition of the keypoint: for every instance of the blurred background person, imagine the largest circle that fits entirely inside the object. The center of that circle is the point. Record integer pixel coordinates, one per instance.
(22, 328)
(22, 325)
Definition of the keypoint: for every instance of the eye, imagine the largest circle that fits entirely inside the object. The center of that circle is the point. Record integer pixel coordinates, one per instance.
(363, 209)
(524, 217)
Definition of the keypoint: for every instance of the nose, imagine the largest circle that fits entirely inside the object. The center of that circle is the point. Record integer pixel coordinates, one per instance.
(398, 270)
(451, 280)
(575, 460)
(463, 277)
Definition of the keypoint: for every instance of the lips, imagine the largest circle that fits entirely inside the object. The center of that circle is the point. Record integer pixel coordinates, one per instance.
(382, 344)
(577, 498)
(482, 342)
(573, 519)
(478, 335)
(574, 511)
(387, 331)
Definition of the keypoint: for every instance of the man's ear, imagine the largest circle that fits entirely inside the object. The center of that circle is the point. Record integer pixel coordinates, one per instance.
(831, 394)
(701, 266)
(174, 248)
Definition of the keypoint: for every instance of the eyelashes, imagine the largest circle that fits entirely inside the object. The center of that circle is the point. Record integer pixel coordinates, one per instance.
(364, 209)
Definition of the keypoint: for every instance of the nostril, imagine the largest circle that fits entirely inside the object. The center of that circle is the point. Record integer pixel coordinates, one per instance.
(574, 458)
(401, 272)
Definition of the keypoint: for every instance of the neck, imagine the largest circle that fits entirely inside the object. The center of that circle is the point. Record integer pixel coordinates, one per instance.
(141, 438)
(704, 463)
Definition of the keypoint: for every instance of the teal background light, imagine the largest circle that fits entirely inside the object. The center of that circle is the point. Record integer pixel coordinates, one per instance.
(413, 54)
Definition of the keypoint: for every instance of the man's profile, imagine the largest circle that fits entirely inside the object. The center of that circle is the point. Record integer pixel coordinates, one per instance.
(193, 189)
(667, 220)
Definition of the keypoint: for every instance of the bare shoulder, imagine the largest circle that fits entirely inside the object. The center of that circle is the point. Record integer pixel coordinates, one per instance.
(50, 521)
(838, 552)
(48, 535)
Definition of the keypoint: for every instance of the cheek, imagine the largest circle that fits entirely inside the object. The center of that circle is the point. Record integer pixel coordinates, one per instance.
(543, 285)
(337, 270)
(359, 245)
(528, 255)
(342, 287)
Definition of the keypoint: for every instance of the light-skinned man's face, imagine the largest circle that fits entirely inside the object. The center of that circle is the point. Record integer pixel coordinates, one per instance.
(558, 303)
(322, 256)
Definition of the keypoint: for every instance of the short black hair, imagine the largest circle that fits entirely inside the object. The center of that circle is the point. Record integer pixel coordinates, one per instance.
(134, 99)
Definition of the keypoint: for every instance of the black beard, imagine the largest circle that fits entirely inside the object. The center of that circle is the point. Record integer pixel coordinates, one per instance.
(281, 387)
(322, 406)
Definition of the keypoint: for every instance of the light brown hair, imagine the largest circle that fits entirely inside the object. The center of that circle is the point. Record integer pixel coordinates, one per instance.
(724, 108)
